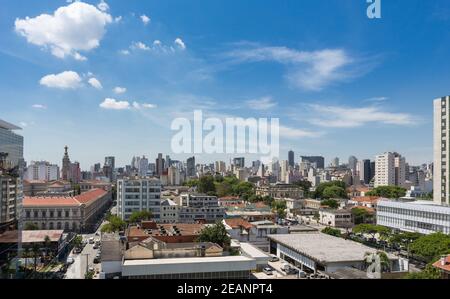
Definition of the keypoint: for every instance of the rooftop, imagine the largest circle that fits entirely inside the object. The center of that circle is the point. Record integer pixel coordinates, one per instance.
(8, 126)
(83, 198)
(443, 263)
(31, 236)
(325, 248)
(238, 223)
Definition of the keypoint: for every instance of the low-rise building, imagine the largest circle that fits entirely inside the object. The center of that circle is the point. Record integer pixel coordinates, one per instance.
(168, 233)
(200, 208)
(443, 265)
(365, 201)
(280, 190)
(169, 211)
(424, 217)
(325, 253)
(95, 184)
(336, 218)
(77, 214)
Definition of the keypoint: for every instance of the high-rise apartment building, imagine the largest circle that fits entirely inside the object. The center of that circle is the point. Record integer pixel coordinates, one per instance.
(441, 183)
(159, 165)
(138, 195)
(389, 170)
(352, 161)
(42, 171)
(364, 171)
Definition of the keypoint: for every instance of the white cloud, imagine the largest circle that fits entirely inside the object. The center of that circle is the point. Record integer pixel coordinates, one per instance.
(113, 104)
(23, 124)
(179, 42)
(64, 80)
(346, 117)
(312, 70)
(145, 19)
(119, 90)
(103, 6)
(140, 106)
(140, 46)
(39, 106)
(118, 19)
(76, 27)
(293, 133)
(264, 103)
(95, 83)
(157, 42)
(124, 52)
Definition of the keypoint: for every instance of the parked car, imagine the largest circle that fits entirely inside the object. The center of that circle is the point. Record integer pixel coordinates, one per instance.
(274, 258)
(77, 250)
(286, 267)
(91, 240)
(268, 271)
(97, 259)
(70, 261)
(302, 274)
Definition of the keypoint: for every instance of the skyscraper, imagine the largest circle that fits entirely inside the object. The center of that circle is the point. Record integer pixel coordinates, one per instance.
(159, 165)
(11, 194)
(239, 162)
(109, 167)
(190, 167)
(364, 171)
(441, 165)
(352, 161)
(291, 158)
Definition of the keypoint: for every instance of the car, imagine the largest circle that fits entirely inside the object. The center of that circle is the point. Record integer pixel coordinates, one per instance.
(96, 260)
(96, 246)
(91, 269)
(274, 258)
(91, 240)
(268, 271)
(286, 267)
(70, 261)
(77, 250)
(302, 274)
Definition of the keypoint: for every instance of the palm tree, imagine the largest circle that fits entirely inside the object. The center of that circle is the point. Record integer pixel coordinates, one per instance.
(26, 254)
(36, 253)
(48, 243)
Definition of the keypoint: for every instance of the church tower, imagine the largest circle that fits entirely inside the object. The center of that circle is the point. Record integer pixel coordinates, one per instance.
(66, 169)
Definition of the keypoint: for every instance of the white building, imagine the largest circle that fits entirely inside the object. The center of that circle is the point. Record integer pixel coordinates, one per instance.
(415, 216)
(138, 195)
(42, 171)
(390, 170)
(200, 207)
(441, 151)
(336, 218)
(169, 211)
(174, 178)
(220, 167)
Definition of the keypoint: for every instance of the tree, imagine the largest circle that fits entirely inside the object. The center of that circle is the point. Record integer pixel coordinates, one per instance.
(77, 241)
(306, 186)
(36, 253)
(387, 192)
(361, 215)
(114, 224)
(47, 244)
(318, 193)
(430, 247)
(279, 206)
(216, 233)
(30, 226)
(331, 231)
(191, 183)
(139, 216)
(404, 238)
(245, 189)
(334, 192)
(206, 185)
(330, 203)
(429, 272)
(372, 230)
(224, 189)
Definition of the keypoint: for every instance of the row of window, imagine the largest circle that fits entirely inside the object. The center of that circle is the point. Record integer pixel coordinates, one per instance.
(50, 214)
(414, 213)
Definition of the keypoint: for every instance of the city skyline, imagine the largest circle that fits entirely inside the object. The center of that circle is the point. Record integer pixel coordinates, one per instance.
(350, 90)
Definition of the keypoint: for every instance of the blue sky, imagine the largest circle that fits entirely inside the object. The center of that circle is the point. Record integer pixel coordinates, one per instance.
(340, 83)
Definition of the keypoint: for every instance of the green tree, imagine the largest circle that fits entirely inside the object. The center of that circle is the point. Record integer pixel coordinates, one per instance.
(138, 216)
(431, 247)
(388, 192)
(404, 239)
(361, 216)
(77, 241)
(331, 231)
(47, 246)
(216, 233)
(372, 230)
(206, 185)
(244, 189)
(224, 189)
(330, 203)
(114, 224)
(30, 226)
(334, 192)
(319, 192)
(191, 183)
(306, 186)
(429, 272)
(279, 207)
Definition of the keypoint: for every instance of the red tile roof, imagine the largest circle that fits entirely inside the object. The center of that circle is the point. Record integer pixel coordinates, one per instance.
(371, 199)
(84, 198)
(238, 223)
(445, 267)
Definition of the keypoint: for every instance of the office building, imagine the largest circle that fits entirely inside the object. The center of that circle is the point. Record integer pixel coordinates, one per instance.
(11, 144)
(441, 165)
(291, 159)
(319, 161)
(352, 161)
(142, 194)
(190, 168)
(424, 217)
(364, 171)
(200, 207)
(239, 162)
(160, 165)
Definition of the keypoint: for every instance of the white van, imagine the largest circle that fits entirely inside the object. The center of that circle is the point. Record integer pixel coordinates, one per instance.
(286, 267)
